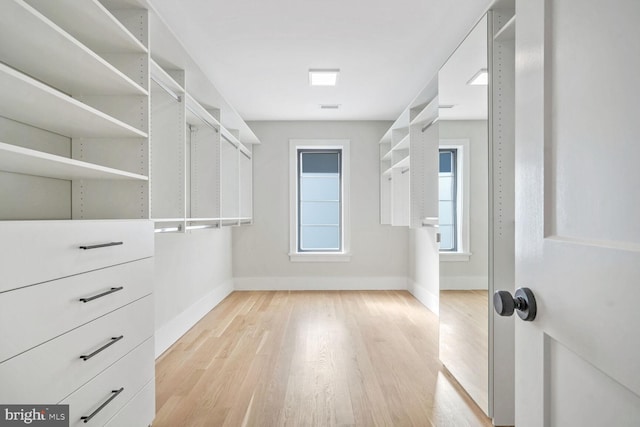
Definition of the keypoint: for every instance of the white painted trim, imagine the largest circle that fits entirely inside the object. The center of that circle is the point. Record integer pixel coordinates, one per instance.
(294, 145)
(464, 188)
(315, 283)
(460, 283)
(428, 299)
(455, 256)
(319, 257)
(167, 334)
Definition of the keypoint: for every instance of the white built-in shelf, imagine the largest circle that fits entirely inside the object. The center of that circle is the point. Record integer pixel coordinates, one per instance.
(90, 22)
(507, 32)
(387, 156)
(64, 63)
(167, 219)
(202, 219)
(31, 162)
(403, 144)
(29, 101)
(387, 172)
(163, 78)
(404, 162)
(428, 113)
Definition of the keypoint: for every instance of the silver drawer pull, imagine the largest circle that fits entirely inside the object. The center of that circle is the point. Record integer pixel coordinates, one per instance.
(102, 245)
(104, 347)
(115, 394)
(110, 291)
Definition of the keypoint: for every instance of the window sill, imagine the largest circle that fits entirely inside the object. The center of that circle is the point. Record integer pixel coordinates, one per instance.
(320, 257)
(455, 256)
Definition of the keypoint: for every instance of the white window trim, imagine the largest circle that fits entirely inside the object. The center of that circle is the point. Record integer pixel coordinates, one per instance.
(345, 254)
(463, 165)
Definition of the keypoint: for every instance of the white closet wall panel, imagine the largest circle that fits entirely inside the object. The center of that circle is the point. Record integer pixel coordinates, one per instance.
(167, 155)
(205, 170)
(246, 186)
(229, 182)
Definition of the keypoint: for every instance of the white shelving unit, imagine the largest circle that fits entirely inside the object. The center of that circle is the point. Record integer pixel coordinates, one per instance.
(403, 192)
(56, 87)
(205, 170)
(74, 127)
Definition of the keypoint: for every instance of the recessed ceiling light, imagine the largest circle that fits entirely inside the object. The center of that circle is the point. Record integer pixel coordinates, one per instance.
(481, 78)
(323, 77)
(329, 106)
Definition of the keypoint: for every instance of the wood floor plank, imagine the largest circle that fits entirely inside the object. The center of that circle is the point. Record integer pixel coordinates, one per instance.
(335, 358)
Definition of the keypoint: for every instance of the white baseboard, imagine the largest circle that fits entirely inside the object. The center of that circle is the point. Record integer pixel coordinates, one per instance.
(426, 297)
(315, 283)
(171, 331)
(463, 283)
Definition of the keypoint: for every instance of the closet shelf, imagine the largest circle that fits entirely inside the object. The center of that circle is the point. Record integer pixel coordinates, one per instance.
(507, 32)
(90, 22)
(29, 101)
(426, 114)
(403, 144)
(162, 77)
(65, 63)
(401, 163)
(387, 156)
(31, 162)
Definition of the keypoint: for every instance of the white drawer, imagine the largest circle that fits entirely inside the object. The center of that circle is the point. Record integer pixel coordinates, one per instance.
(32, 315)
(53, 370)
(139, 412)
(37, 251)
(131, 374)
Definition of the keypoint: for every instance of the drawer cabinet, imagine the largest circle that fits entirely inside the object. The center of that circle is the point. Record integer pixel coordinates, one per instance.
(53, 370)
(64, 248)
(77, 324)
(22, 310)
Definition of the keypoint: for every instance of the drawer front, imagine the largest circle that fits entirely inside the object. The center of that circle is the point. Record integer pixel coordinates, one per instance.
(130, 374)
(55, 369)
(32, 315)
(37, 251)
(139, 412)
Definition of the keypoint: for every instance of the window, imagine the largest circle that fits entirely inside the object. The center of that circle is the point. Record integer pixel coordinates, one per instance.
(448, 189)
(319, 200)
(453, 202)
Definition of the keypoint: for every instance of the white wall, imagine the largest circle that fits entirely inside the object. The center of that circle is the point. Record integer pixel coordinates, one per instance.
(472, 274)
(260, 252)
(193, 273)
(423, 272)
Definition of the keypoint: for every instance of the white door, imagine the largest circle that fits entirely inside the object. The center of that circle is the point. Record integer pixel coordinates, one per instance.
(578, 212)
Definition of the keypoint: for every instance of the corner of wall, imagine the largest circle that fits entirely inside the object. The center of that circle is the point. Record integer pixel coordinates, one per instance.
(167, 334)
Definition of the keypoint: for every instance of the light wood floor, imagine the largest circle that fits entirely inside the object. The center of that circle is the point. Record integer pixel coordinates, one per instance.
(464, 340)
(311, 359)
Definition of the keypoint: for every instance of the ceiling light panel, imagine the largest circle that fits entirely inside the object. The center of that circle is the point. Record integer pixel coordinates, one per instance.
(323, 77)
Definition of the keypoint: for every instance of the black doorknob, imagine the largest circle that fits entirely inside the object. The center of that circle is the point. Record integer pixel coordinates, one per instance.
(524, 302)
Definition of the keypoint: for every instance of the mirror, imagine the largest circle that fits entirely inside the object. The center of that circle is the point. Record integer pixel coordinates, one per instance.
(464, 219)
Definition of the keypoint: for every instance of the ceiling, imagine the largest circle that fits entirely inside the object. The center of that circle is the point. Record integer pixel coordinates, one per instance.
(468, 102)
(258, 53)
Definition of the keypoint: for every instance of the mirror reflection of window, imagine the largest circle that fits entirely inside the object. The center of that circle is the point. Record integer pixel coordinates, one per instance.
(447, 178)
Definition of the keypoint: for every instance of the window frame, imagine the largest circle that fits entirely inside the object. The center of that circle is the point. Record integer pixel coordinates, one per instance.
(344, 255)
(463, 173)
